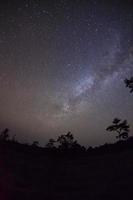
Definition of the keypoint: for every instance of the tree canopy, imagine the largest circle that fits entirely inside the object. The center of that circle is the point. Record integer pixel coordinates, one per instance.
(120, 127)
(129, 83)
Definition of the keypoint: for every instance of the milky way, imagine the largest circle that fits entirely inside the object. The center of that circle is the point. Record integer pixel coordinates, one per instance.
(62, 68)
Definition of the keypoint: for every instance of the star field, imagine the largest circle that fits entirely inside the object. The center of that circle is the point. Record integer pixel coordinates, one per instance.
(62, 68)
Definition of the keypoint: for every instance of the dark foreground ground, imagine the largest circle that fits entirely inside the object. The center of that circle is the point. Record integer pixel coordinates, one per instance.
(34, 174)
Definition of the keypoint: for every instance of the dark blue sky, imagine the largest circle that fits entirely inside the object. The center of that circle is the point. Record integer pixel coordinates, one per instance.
(62, 67)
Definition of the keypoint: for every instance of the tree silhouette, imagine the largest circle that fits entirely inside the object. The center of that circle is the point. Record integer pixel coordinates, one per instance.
(120, 127)
(50, 143)
(35, 143)
(4, 135)
(66, 141)
(13, 139)
(129, 83)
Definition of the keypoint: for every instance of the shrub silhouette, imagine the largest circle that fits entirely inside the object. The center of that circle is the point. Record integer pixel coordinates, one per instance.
(129, 83)
(4, 136)
(120, 127)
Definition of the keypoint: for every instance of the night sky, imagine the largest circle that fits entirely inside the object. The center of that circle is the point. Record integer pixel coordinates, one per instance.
(62, 68)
